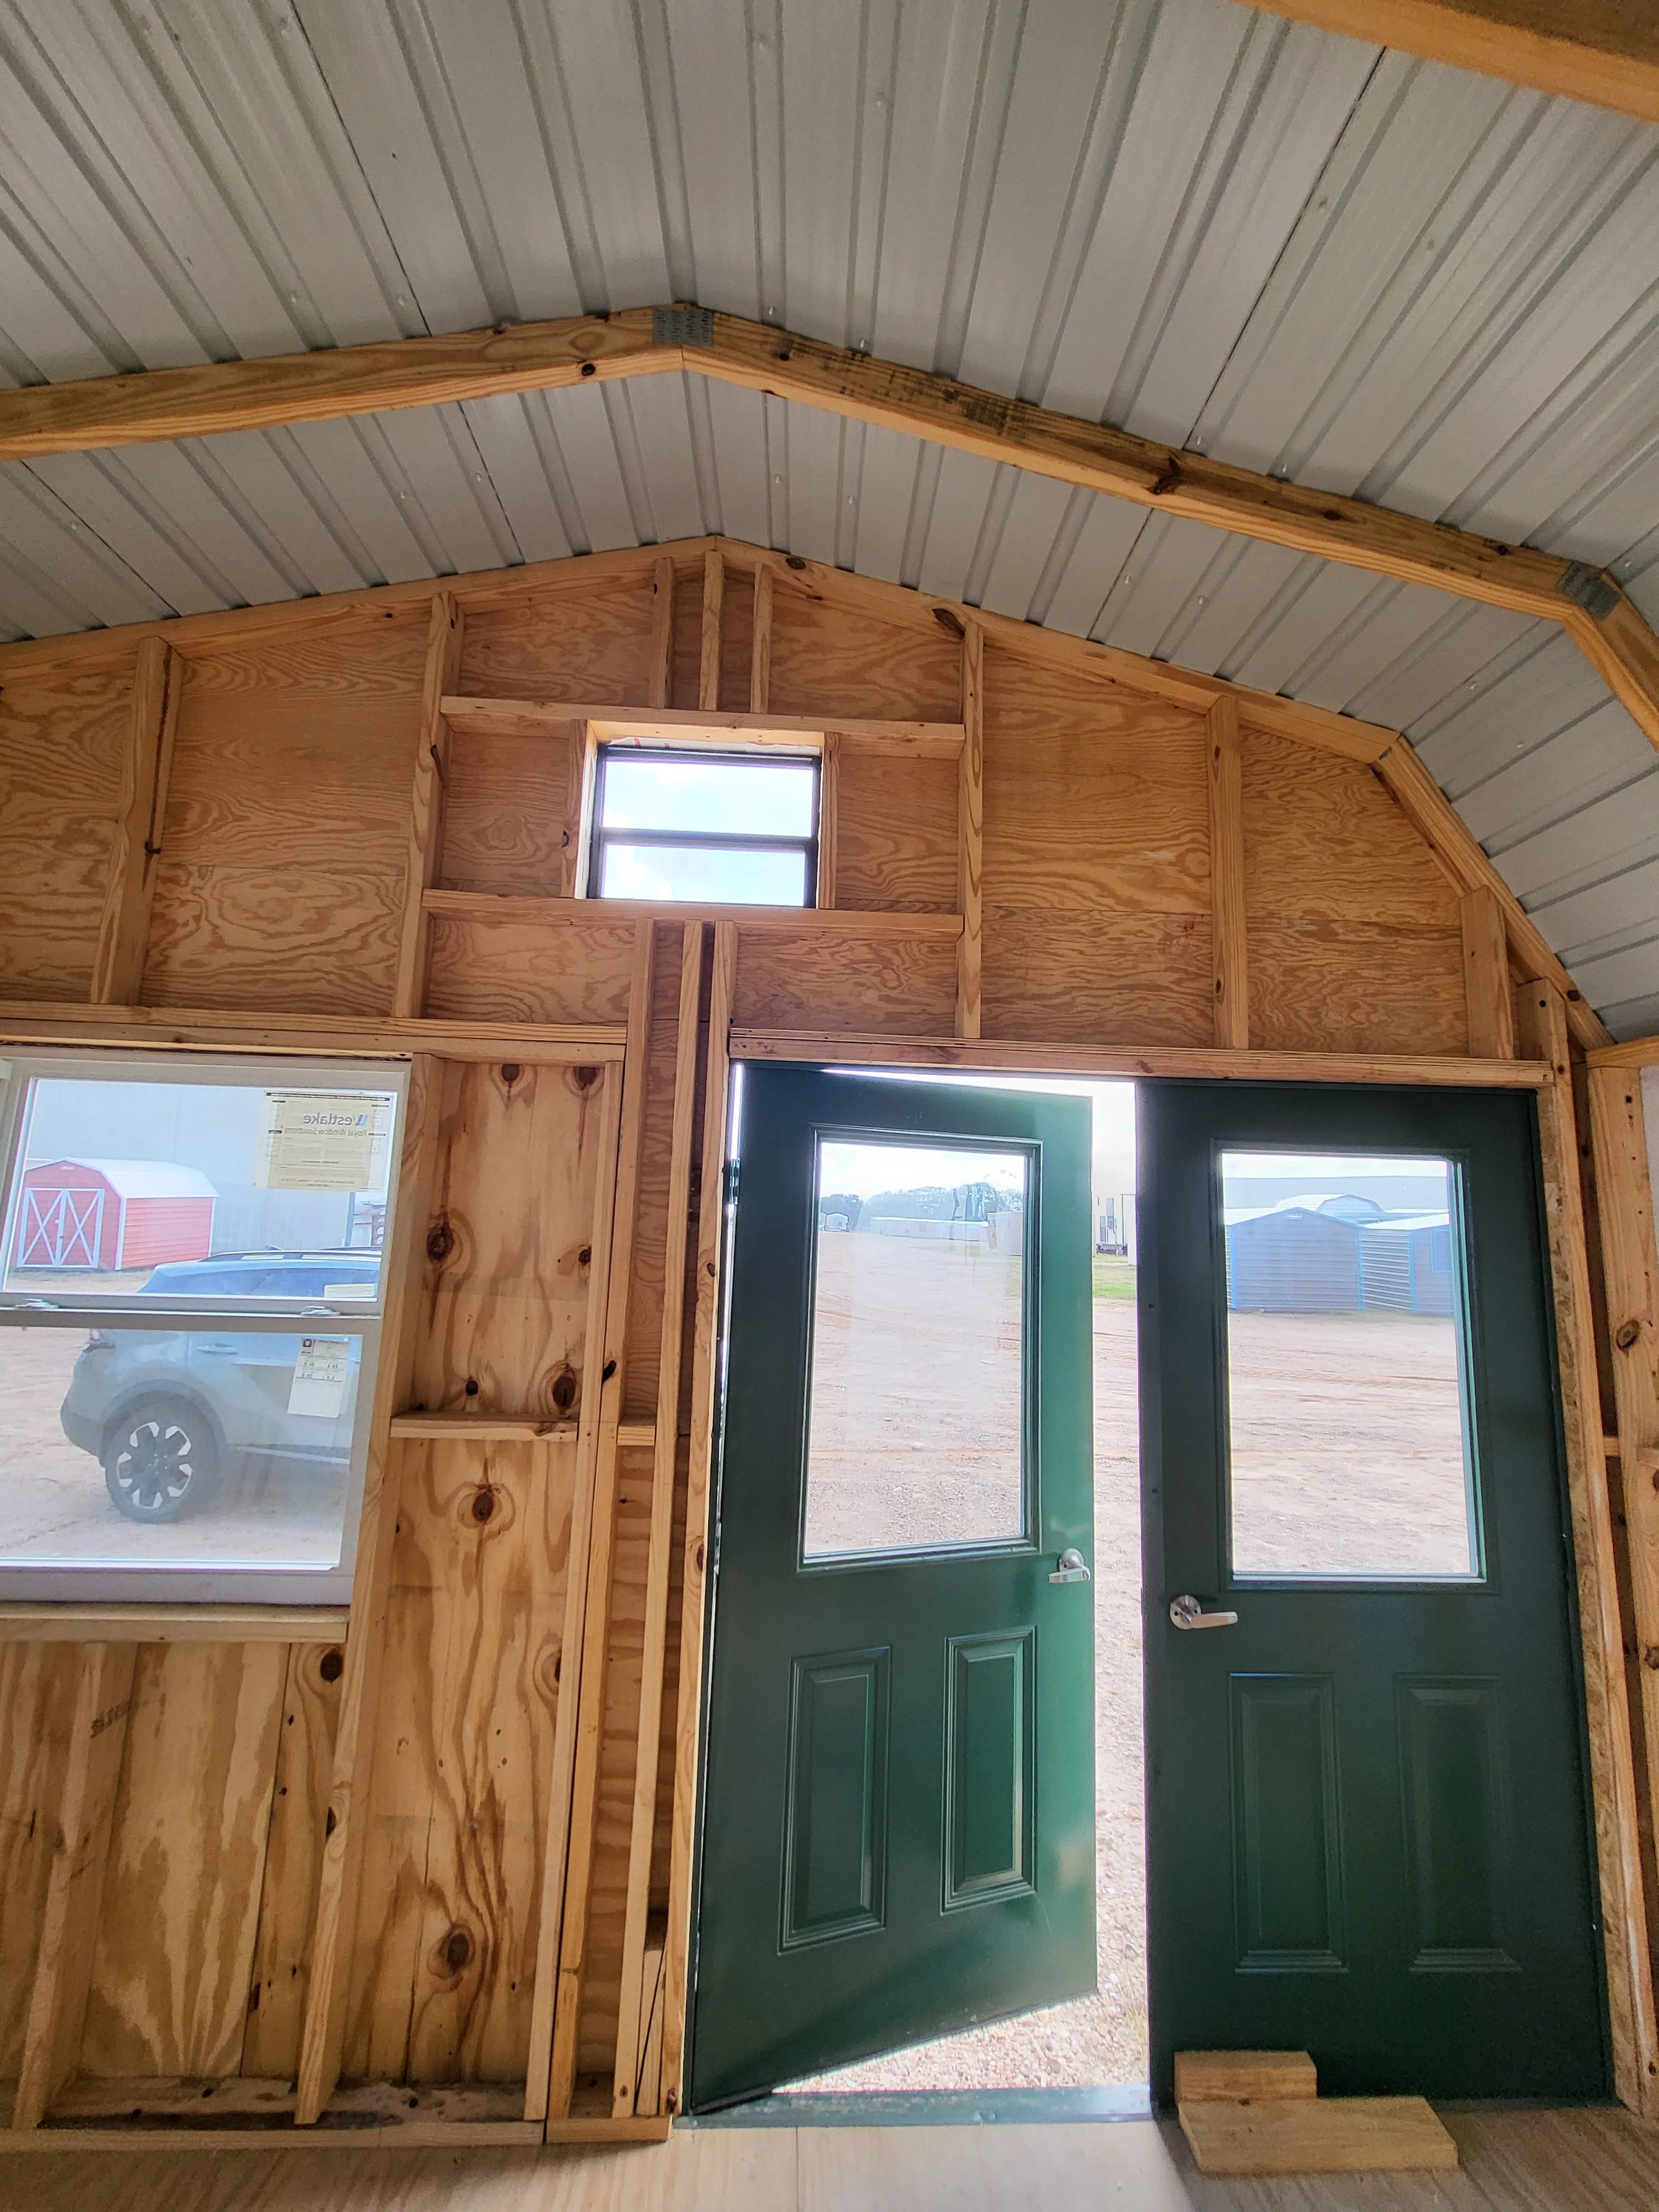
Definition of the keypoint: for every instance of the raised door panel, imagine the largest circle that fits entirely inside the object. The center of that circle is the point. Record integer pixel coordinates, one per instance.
(1287, 1839)
(835, 1839)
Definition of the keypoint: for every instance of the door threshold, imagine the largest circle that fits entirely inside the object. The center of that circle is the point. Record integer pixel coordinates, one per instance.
(929, 2108)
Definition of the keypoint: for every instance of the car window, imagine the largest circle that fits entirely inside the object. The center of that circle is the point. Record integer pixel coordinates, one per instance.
(204, 1283)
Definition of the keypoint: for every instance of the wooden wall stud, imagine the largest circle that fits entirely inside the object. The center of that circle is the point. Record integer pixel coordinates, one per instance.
(714, 608)
(1624, 1209)
(146, 763)
(1486, 975)
(760, 650)
(69, 1935)
(587, 1693)
(1230, 948)
(445, 633)
(334, 1923)
(634, 2020)
(592, 1416)
(1541, 1021)
(662, 631)
(971, 831)
(829, 818)
(711, 1214)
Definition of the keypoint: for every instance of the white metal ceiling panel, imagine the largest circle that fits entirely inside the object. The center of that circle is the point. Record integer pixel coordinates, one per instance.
(1220, 229)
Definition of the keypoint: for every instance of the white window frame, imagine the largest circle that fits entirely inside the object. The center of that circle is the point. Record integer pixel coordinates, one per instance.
(188, 1583)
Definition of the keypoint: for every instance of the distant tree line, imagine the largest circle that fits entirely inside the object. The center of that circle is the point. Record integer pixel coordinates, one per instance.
(966, 1201)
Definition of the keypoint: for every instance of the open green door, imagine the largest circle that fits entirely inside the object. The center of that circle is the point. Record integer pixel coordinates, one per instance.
(897, 1835)
(1367, 1824)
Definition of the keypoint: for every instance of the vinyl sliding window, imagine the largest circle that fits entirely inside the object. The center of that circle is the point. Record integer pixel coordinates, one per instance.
(192, 1279)
(723, 828)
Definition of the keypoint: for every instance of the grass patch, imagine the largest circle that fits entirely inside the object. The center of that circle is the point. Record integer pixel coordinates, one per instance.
(1115, 1278)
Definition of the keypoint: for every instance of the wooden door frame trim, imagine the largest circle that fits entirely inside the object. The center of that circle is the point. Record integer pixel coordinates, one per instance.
(162, 404)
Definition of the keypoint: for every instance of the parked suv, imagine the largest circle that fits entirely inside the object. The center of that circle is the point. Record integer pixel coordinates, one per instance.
(167, 1412)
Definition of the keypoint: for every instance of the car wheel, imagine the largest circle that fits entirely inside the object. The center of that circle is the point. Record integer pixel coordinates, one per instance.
(161, 1459)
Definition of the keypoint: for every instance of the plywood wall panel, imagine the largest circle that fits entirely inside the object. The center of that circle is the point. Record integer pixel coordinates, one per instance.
(896, 834)
(274, 939)
(1094, 798)
(173, 1968)
(506, 1306)
(62, 730)
(299, 1806)
(601, 1981)
(819, 979)
(840, 660)
(536, 971)
(283, 778)
(590, 643)
(1324, 840)
(736, 640)
(443, 1981)
(1098, 979)
(37, 1700)
(685, 651)
(1356, 987)
(504, 814)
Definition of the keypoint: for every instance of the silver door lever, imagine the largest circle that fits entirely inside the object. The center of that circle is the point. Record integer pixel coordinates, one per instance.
(1186, 1612)
(1071, 1568)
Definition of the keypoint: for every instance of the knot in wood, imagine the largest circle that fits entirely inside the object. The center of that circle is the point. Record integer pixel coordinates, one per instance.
(564, 1390)
(949, 620)
(331, 1665)
(584, 1078)
(483, 1503)
(457, 1951)
(1626, 1334)
(440, 1242)
(511, 1071)
(1651, 1657)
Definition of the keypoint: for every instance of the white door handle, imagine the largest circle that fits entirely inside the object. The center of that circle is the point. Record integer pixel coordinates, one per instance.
(1188, 1611)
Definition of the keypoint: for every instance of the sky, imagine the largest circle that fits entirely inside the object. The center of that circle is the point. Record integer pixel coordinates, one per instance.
(1113, 1118)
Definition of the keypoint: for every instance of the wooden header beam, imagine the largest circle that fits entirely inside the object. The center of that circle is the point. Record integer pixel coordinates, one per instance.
(1605, 51)
(167, 403)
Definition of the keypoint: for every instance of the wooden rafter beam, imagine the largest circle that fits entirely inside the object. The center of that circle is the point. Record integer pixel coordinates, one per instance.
(167, 403)
(1605, 51)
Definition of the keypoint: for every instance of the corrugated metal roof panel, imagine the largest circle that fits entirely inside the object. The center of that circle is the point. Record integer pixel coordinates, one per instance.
(1214, 226)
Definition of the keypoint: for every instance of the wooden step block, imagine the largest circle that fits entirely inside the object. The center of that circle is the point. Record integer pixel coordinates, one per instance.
(1200, 2075)
(1316, 2135)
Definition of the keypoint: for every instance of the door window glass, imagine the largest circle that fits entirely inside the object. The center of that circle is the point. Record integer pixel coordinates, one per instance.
(1348, 1434)
(915, 1411)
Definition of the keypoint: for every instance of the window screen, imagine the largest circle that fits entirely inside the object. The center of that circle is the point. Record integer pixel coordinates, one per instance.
(731, 830)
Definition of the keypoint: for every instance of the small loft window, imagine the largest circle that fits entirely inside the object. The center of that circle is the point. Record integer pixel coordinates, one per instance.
(727, 828)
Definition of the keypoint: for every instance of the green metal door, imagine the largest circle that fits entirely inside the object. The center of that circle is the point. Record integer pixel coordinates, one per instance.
(897, 1835)
(1368, 1833)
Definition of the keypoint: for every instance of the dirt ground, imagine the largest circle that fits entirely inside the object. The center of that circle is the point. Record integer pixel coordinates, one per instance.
(55, 1511)
(1348, 1457)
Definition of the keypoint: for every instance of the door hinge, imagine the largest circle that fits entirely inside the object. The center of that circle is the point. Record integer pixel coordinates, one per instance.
(730, 1182)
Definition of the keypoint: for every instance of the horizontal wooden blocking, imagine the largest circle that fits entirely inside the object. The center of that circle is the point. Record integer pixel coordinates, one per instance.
(1316, 2135)
(1200, 2076)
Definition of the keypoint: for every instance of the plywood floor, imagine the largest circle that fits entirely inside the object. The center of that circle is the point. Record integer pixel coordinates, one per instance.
(1513, 2162)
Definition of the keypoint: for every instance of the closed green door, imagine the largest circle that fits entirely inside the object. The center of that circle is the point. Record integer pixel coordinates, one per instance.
(897, 1834)
(1367, 1805)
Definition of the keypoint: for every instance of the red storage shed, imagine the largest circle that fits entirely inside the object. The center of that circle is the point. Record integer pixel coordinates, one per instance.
(107, 1215)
